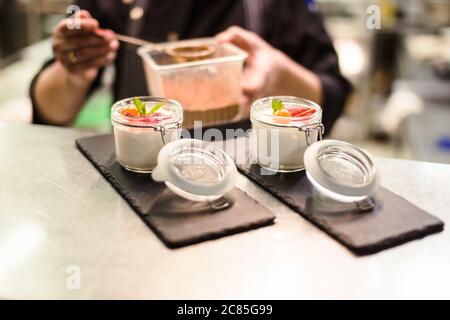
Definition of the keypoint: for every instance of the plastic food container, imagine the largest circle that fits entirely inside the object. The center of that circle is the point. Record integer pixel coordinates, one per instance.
(138, 140)
(342, 172)
(209, 89)
(281, 142)
(197, 171)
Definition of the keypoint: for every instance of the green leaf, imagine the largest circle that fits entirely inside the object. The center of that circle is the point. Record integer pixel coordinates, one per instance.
(277, 105)
(140, 106)
(156, 108)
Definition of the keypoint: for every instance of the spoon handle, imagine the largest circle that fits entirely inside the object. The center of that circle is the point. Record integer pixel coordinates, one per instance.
(136, 41)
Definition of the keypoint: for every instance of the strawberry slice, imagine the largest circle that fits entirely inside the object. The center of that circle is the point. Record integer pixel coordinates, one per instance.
(305, 112)
(296, 110)
(308, 113)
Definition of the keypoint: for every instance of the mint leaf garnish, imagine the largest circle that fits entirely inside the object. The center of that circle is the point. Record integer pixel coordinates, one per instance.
(140, 106)
(277, 105)
(142, 109)
(156, 108)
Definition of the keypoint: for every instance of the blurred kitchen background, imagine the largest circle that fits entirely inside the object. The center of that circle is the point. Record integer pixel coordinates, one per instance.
(401, 73)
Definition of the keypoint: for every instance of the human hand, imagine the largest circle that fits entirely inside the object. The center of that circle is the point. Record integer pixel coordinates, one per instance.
(83, 51)
(264, 66)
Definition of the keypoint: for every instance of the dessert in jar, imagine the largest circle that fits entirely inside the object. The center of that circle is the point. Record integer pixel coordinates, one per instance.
(142, 126)
(282, 129)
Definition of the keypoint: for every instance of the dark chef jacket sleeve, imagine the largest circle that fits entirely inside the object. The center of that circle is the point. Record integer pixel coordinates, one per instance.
(299, 32)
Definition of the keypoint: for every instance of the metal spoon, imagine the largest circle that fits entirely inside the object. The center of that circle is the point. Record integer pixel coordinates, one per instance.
(179, 53)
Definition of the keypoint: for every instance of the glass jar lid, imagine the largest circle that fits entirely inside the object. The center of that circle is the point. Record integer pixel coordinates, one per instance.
(341, 171)
(167, 112)
(303, 112)
(195, 170)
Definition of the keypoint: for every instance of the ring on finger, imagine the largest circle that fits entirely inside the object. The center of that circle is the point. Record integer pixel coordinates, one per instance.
(73, 57)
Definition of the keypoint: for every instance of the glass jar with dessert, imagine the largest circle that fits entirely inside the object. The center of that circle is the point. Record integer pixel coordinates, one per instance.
(142, 126)
(283, 128)
(287, 137)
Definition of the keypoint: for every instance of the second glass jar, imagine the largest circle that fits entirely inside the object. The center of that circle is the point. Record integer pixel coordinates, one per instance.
(281, 141)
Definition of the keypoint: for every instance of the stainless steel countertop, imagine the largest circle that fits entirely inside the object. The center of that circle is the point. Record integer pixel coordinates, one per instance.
(57, 211)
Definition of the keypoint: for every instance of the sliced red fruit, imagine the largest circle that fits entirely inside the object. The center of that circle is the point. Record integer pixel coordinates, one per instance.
(301, 111)
(306, 113)
(296, 110)
(311, 112)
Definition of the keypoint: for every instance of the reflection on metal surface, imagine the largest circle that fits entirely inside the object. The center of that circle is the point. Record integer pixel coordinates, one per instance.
(325, 207)
(170, 204)
(17, 246)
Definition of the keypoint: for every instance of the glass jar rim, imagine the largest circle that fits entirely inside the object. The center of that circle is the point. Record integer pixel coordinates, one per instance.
(175, 118)
(288, 122)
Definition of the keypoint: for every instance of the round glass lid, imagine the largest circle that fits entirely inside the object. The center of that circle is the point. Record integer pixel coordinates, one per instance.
(341, 170)
(194, 169)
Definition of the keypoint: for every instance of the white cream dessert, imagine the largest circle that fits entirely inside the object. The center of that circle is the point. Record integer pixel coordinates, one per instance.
(141, 128)
(283, 128)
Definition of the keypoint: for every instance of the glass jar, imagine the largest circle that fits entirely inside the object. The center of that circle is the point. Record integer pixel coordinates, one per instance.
(138, 140)
(280, 142)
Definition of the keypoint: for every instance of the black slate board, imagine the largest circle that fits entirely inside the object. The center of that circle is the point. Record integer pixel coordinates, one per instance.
(149, 200)
(394, 220)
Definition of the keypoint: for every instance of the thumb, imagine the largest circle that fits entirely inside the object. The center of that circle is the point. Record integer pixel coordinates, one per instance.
(246, 40)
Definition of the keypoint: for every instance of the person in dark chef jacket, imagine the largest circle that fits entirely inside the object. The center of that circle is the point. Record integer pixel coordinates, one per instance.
(290, 52)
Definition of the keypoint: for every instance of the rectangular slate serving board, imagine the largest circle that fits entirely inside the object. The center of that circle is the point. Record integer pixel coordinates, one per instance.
(149, 200)
(394, 220)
